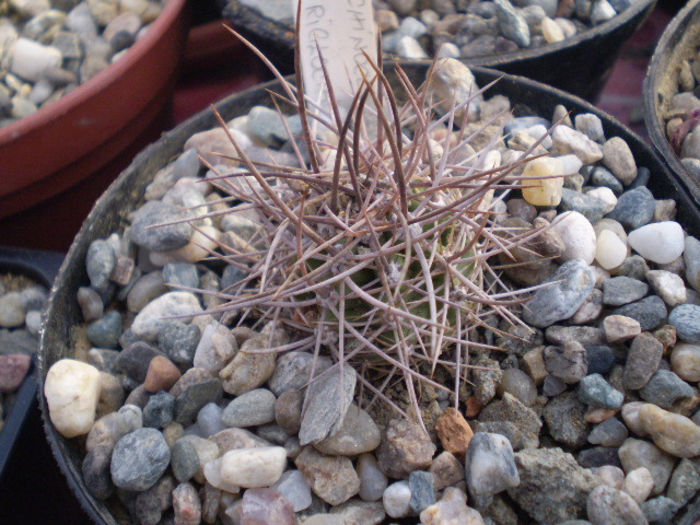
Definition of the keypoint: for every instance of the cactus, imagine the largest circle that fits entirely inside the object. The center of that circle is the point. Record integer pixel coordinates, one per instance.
(376, 248)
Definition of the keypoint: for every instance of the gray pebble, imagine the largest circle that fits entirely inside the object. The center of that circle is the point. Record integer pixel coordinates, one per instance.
(184, 461)
(610, 433)
(105, 332)
(180, 274)
(623, 290)
(561, 300)
(608, 506)
(209, 419)
(144, 290)
(595, 391)
(592, 208)
(568, 362)
(372, 480)
(512, 25)
(96, 471)
(634, 208)
(660, 511)
(600, 359)
(422, 487)
(151, 230)
(686, 319)
(650, 312)
(179, 342)
(90, 302)
(139, 459)
(553, 386)
(634, 267)
(148, 506)
(134, 360)
(293, 371)
(158, 412)
(490, 467)
(691, 257)
(600, 176)
(564, 415)
(665, 388)
(231, 276)
(253, 408)
(100, 261)
(643, 360)
(685, 481)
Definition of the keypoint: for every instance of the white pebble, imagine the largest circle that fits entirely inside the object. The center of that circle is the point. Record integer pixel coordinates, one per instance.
(669, 286)
(293, 486)
(610, 475)
(72, 390)
(610, 250)
(659, 242)
(30, 60)
(33, 321)
(638, 484)
(397, 499)
(253, 467)
(578, 236)
(606, 195)
(149, 321)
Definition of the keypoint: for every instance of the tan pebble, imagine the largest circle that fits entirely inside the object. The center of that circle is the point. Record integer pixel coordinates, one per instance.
(630, 415)
(685, 361)
(620, 328)
(162, 374)
(454, 431)
(638, 484)
(473, 407)
(534, 364)
(676, 434)
(598, 415)
(543, 192)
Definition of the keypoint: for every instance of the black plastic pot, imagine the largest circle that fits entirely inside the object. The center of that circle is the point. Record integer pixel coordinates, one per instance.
(580, 65)
(679, 41)
(110, 211)
(41, 267)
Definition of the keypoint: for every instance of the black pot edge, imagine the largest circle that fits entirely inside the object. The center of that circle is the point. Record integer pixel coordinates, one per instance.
(659, 65)
(283, 36)
(72, 270)
(41, 267)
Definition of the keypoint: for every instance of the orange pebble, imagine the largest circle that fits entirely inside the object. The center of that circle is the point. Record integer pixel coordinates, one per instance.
(473, 407)
(454, 431)
(162, 374)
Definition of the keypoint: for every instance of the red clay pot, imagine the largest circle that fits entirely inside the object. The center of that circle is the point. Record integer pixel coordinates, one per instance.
(54, 163)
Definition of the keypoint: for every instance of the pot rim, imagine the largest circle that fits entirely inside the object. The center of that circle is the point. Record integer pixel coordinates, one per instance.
(493, 61)
(663, 59)
(74, 261)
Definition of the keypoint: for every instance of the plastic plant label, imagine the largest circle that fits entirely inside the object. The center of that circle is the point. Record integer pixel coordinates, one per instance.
(341, 30)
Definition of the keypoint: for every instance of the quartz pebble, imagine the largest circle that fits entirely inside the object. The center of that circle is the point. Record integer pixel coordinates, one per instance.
(253, 467)
(607, 505)
(490, 467)
(660, 242)
(332, 478)
(397, 499)
(72, 389)
(638, 484)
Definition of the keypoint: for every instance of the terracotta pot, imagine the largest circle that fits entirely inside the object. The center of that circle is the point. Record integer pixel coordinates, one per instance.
(55, 162)
(679, 41)
(126, 193)
(580, 65)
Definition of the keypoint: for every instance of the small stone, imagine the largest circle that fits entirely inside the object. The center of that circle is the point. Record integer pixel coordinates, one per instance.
(327, 404)
(633, 266)
(135, 359)
(288, 411)
(105, 332)
(673, 433)
(669, 286)
(686, 320)
(332, 478)
(372, 481)
(293, 371)
(598, 457)
(144, 290)
(251, 367)
(623, 290)
(603, 178)
(568, 362)
(601, 11)
(13, 369)
(184, 460)
(518, 384)
(534, 364)
(409, 48)
(543, 191)
(253, 408)
(405, 447)
(179, 342)
(553, 386)
(162, 374)
(454, 431)
(357, 434)
(523, 419)
(691, 257)
(607, 506)
(564, 415)
(159, 410)
(90, 302)
(587, 204)
(253, 467)
(650, 312)
(453, 83)
(139, 459)
(187, 506)
(609, 433)
(209, 420)
(490, 467)
(665, 388)
(149, 505)
(151, 319)
(266, 124)
(553, 487)
(618, 158)
(396, 499)
(568, 140)
(451, 510)
(447, 470)
(685, 361)
(598, 415)
(659, 242)
(685, 482)
(422, 487)
(578, 236)
(638, 484)
(643, 360)
(635, 453)
(159, 226)
(572, 283)
(591, 125)
(192, 393)
(595, 391)
(264, 505)
(294, 488)
(512, 25)
(95, 470)
(635, 208)
(660, 510)
(72, 390)
(180, 274)
(611, 476)
(600, 359)
(31, 60)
